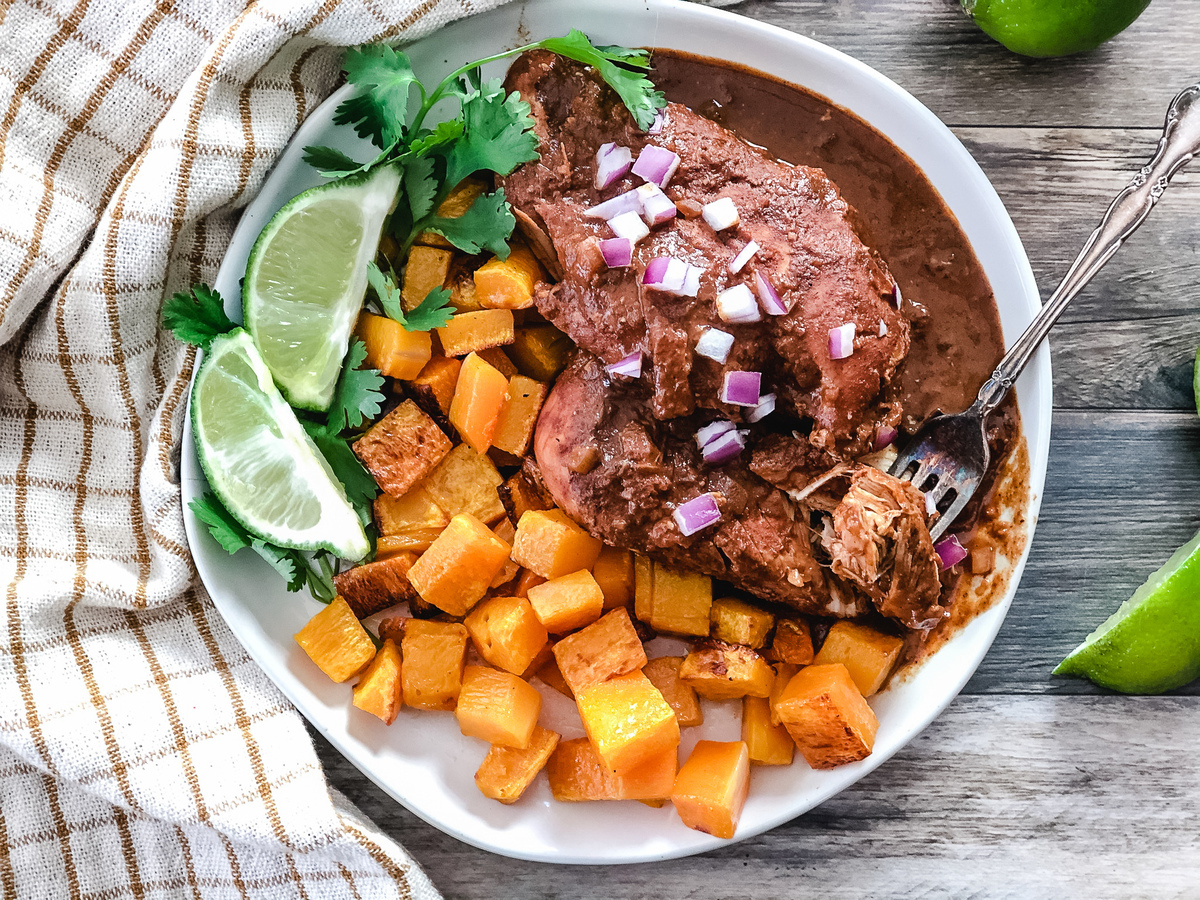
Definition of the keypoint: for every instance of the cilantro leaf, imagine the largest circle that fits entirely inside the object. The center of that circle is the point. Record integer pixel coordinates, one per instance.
(622, 69)
(233, 536)
(331, 163)
(420, 186)
(387, 292)
(361, 489)
(379, 106)
(434, 311)
(356, 397)
(197, 317)
(497, 136)
(487, 224)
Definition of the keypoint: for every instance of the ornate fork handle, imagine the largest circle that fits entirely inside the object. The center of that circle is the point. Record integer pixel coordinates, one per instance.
(1180, 142)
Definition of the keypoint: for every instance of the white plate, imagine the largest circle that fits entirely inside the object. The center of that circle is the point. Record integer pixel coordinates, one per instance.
(422, 760)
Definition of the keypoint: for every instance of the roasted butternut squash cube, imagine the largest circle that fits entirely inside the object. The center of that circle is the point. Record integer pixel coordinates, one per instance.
(379, 690)
(497, 707)
(609, 646)
(540, 351)
(737, 622)
(469, 332)
(426, 269)
(433, 387)
(577, 774)
(391, 348)
(498, 360)
(519, 415)
(374, 586)
(627, 720)
(548, 672)
(551, 544)
(506, 772)
(465, 482)
(711, 787)
(613, 571)
(458, 568)
(720, 671)
(650, 779)
(669, 600)
(508, 283)
(827, 716)
(506, 532)
(525, 581)
(336, 641)
(792, 642)
(783, 675)
(413, 521)
(868, 655)
(566, 603)
(663, 673)
(389, 548)
(402, 448)
(433, 655)
(507, 633)
(457, 202)
(519, 495)
(392, 628)
(768, 744)
(461, 282)
(479, 397)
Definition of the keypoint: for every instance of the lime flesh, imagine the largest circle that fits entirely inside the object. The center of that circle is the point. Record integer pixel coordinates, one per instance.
(306, 278)
(260, 462)
(1152, 643)
(1053, 27)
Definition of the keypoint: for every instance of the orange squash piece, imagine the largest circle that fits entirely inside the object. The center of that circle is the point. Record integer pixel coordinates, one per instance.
(426, 269)
(472, 331)
(550, 543)
(412, 521)
(669, 600)
(497, 707)
(433, 387)
(540, 351)
(506, 772)
(402, 448)
(827, 716)
(613, 571)
(548, 672)
(507, 633)
(519, 415)
(767, 744)
(479, 397)
(577, 774)
(380, 691)
(566, 603)
(711, 787)
(458, 568)
(374, 586)
(609, 646)
(737, 622)
(525, 581)
(651, 779)
(519, 495)
(465, 482)
(663, 673)
(508, 283)
(627, 720)
(336, 641)
(868, 655)
(392, 349)
(783, 675)
(506, 532)
(792, 642)
(720, 671)
(433, 655)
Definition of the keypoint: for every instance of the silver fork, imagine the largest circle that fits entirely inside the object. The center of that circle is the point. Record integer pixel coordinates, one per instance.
(949, 454)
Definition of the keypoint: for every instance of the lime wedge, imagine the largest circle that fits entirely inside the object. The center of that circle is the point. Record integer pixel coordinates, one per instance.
(306, 278)
(1152, 643)
(260, 462)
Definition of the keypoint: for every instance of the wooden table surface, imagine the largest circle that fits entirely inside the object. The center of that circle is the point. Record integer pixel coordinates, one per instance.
(1027, 786)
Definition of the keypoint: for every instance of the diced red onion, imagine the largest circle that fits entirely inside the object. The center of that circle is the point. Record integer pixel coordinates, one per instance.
(626, 201)
(720, 214)
(766, 406)
(768, 296)
(657, 207)
(885, 436)
(950, 551)
(612, 162)
(656, 126)
(665, 273)
(697, 513)
(656, 164)
(882, 328)
(691, 281)
(736, 304)
(629, 367)
(628, 225)
(930, 505)
(742, 388)
(723, 448)
(713, 430)
(738, 262)
(715, 344)
(617, 252)
(841, 341)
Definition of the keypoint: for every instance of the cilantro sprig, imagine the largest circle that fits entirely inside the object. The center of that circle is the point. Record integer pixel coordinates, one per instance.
(434, 311)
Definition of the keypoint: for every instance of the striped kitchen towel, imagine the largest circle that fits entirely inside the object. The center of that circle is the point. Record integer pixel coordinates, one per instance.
(142, 753)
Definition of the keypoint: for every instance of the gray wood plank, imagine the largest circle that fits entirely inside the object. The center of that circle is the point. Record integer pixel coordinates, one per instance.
(938, 54)
(1082, 796)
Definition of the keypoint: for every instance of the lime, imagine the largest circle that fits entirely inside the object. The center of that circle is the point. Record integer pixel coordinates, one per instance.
(1152, 643)
(1196, 380)
(260, 462)
(1053, 27)
(306, 278)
